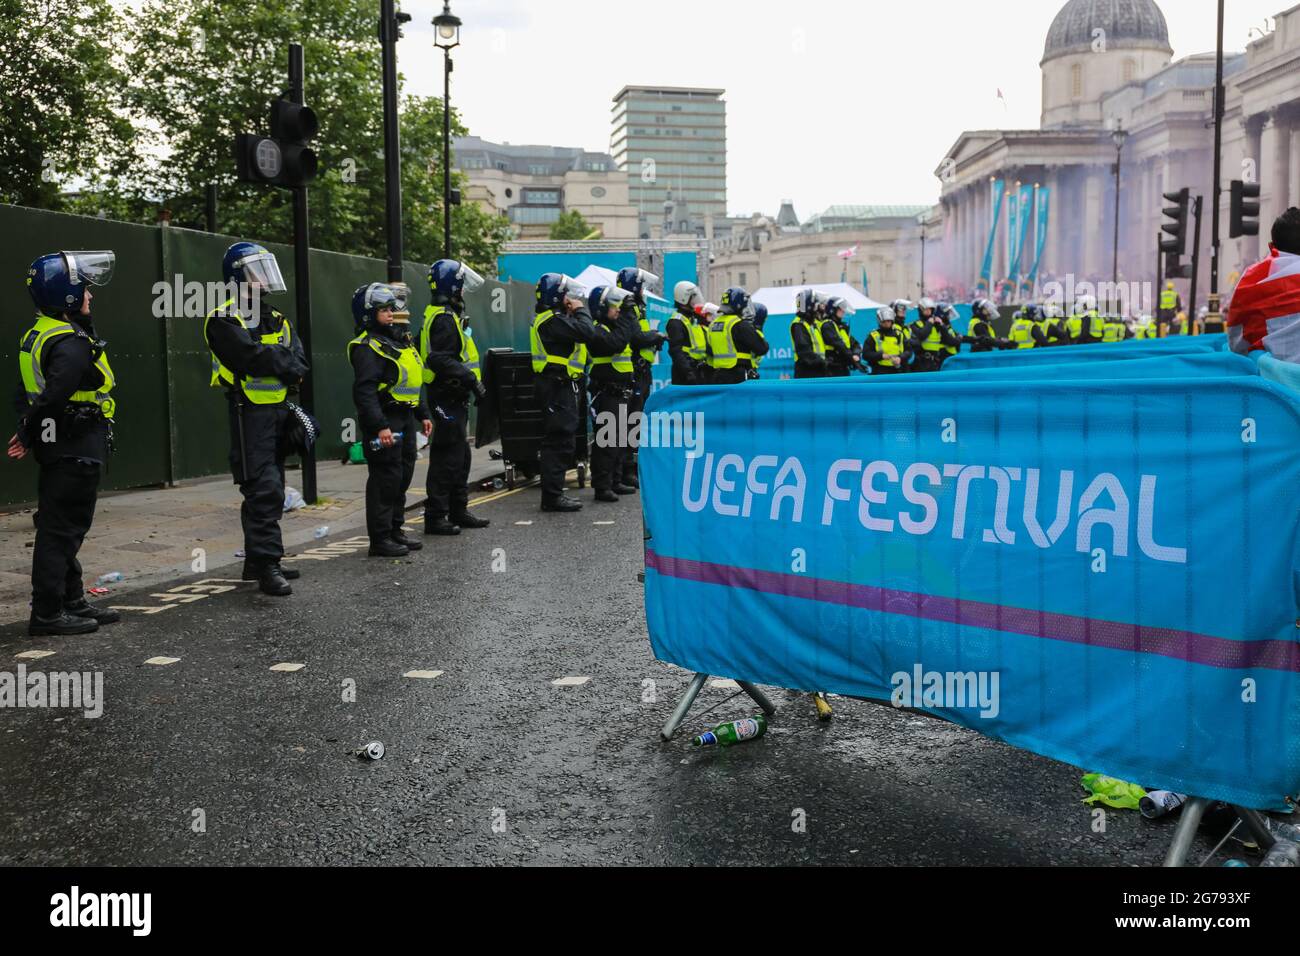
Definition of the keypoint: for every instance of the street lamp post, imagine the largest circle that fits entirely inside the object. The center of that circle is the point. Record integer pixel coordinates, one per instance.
(1214, 321)
(390, 22)
(1119, 136)
(446, 37)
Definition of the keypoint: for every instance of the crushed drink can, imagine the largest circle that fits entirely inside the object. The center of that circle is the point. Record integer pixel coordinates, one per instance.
(1159, 803)
(372, 751)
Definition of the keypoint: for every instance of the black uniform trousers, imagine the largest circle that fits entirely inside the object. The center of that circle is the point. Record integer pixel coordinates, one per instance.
(389, 473)
(66, 492)
(642, 379)
(447, 485)
(558, 397)
(257, 453)
(612, 404)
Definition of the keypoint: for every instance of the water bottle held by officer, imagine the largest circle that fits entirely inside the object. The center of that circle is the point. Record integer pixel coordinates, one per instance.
(66, 410)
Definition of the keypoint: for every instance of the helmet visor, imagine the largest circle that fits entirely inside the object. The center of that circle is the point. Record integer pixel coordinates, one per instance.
(262, 271)
(381, 296)
(649, 281)
(93, 267)
(471, 280)
(573, 289)
(614, 296)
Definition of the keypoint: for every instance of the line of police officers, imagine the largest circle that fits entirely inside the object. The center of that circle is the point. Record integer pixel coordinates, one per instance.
(599, 340)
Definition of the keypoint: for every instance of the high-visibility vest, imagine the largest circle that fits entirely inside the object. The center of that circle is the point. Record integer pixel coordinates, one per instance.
(814, 333)
(1113, 331)
(1045, 326)
(1022, 333)
(30, 349)
(933, 342)
(1169, 300)
(757, 360)
(887, 345)
(575, 363)
(722, 343)
(699, 347)
(468, 350)
(410, 370)
(1147, 331)
(647, 355)
(1074, 324)
(260, 390)
(622, 362)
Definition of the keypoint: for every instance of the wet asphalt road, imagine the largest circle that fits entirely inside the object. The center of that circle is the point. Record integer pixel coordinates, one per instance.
(490, 763)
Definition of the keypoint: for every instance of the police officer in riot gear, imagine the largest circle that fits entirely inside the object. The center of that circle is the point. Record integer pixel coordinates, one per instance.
(733, 341)
(387, 386)
(933, 338)
(888, 349)
(980, 334)
(842, 351)
(756, 313)
(611, 388)
(806, 336)
(1029, 330)
(65, 415)
(561, 338)
(1085, 325)
(256, 359)
(452, 373)
(687, 335)
(645, 344)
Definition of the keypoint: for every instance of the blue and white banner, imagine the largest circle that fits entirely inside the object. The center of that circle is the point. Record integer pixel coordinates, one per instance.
(986, 269)
(1042, 215)
(1106, 575)
(1025, 210)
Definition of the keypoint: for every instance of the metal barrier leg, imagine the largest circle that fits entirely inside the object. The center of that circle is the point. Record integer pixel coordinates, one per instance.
(1258, 827)
(1189, 822)
(683, 705)
(759, 697)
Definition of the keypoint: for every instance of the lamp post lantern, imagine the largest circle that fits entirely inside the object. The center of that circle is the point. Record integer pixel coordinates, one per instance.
(446, 37)
(1119, 136)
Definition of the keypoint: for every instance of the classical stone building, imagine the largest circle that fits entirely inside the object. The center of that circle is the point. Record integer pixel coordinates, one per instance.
(1107, 66)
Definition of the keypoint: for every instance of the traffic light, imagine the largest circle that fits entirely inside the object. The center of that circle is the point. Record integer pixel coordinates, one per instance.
(284, 158)
(1245, 209)
(1176, 245)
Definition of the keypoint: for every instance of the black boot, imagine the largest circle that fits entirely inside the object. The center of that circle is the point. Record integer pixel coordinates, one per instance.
(270, 579)
(388, 548)
(604, 494)
(251, 573)
(411, 544)
(100, 615)
(438, 524)
(60, 624)
(624, 489)
(467, 520)
(562, 503)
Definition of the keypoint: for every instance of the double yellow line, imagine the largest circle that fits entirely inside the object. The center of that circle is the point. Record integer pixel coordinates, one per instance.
(498, 495)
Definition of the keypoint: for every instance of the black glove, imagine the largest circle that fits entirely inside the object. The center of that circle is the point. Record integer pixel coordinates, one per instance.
(480, 392)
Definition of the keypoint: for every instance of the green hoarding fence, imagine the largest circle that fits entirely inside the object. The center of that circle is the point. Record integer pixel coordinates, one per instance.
(171, 424)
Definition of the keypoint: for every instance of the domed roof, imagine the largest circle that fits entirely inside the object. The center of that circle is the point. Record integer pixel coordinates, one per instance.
(1127, 24)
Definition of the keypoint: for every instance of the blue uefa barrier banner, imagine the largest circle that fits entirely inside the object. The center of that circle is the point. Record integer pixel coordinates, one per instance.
(1100, 352)
(1107, 576)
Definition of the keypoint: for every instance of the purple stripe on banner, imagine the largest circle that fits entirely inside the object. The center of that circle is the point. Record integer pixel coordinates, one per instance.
(1116, 635)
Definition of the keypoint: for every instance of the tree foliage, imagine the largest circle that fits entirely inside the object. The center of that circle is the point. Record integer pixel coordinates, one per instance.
(191, 76)
(570, 225)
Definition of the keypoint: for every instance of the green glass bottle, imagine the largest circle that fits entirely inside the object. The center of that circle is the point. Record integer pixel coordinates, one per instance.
(734, 732)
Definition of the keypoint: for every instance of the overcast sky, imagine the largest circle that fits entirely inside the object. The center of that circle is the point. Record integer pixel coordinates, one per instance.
(828, 101)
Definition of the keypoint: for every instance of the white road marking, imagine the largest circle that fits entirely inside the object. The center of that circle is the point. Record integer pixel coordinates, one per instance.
(163, 661)
(423, 675)
(570, 681)
(602, 522)
(33, 655)
(287, 668)
(524, 523)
